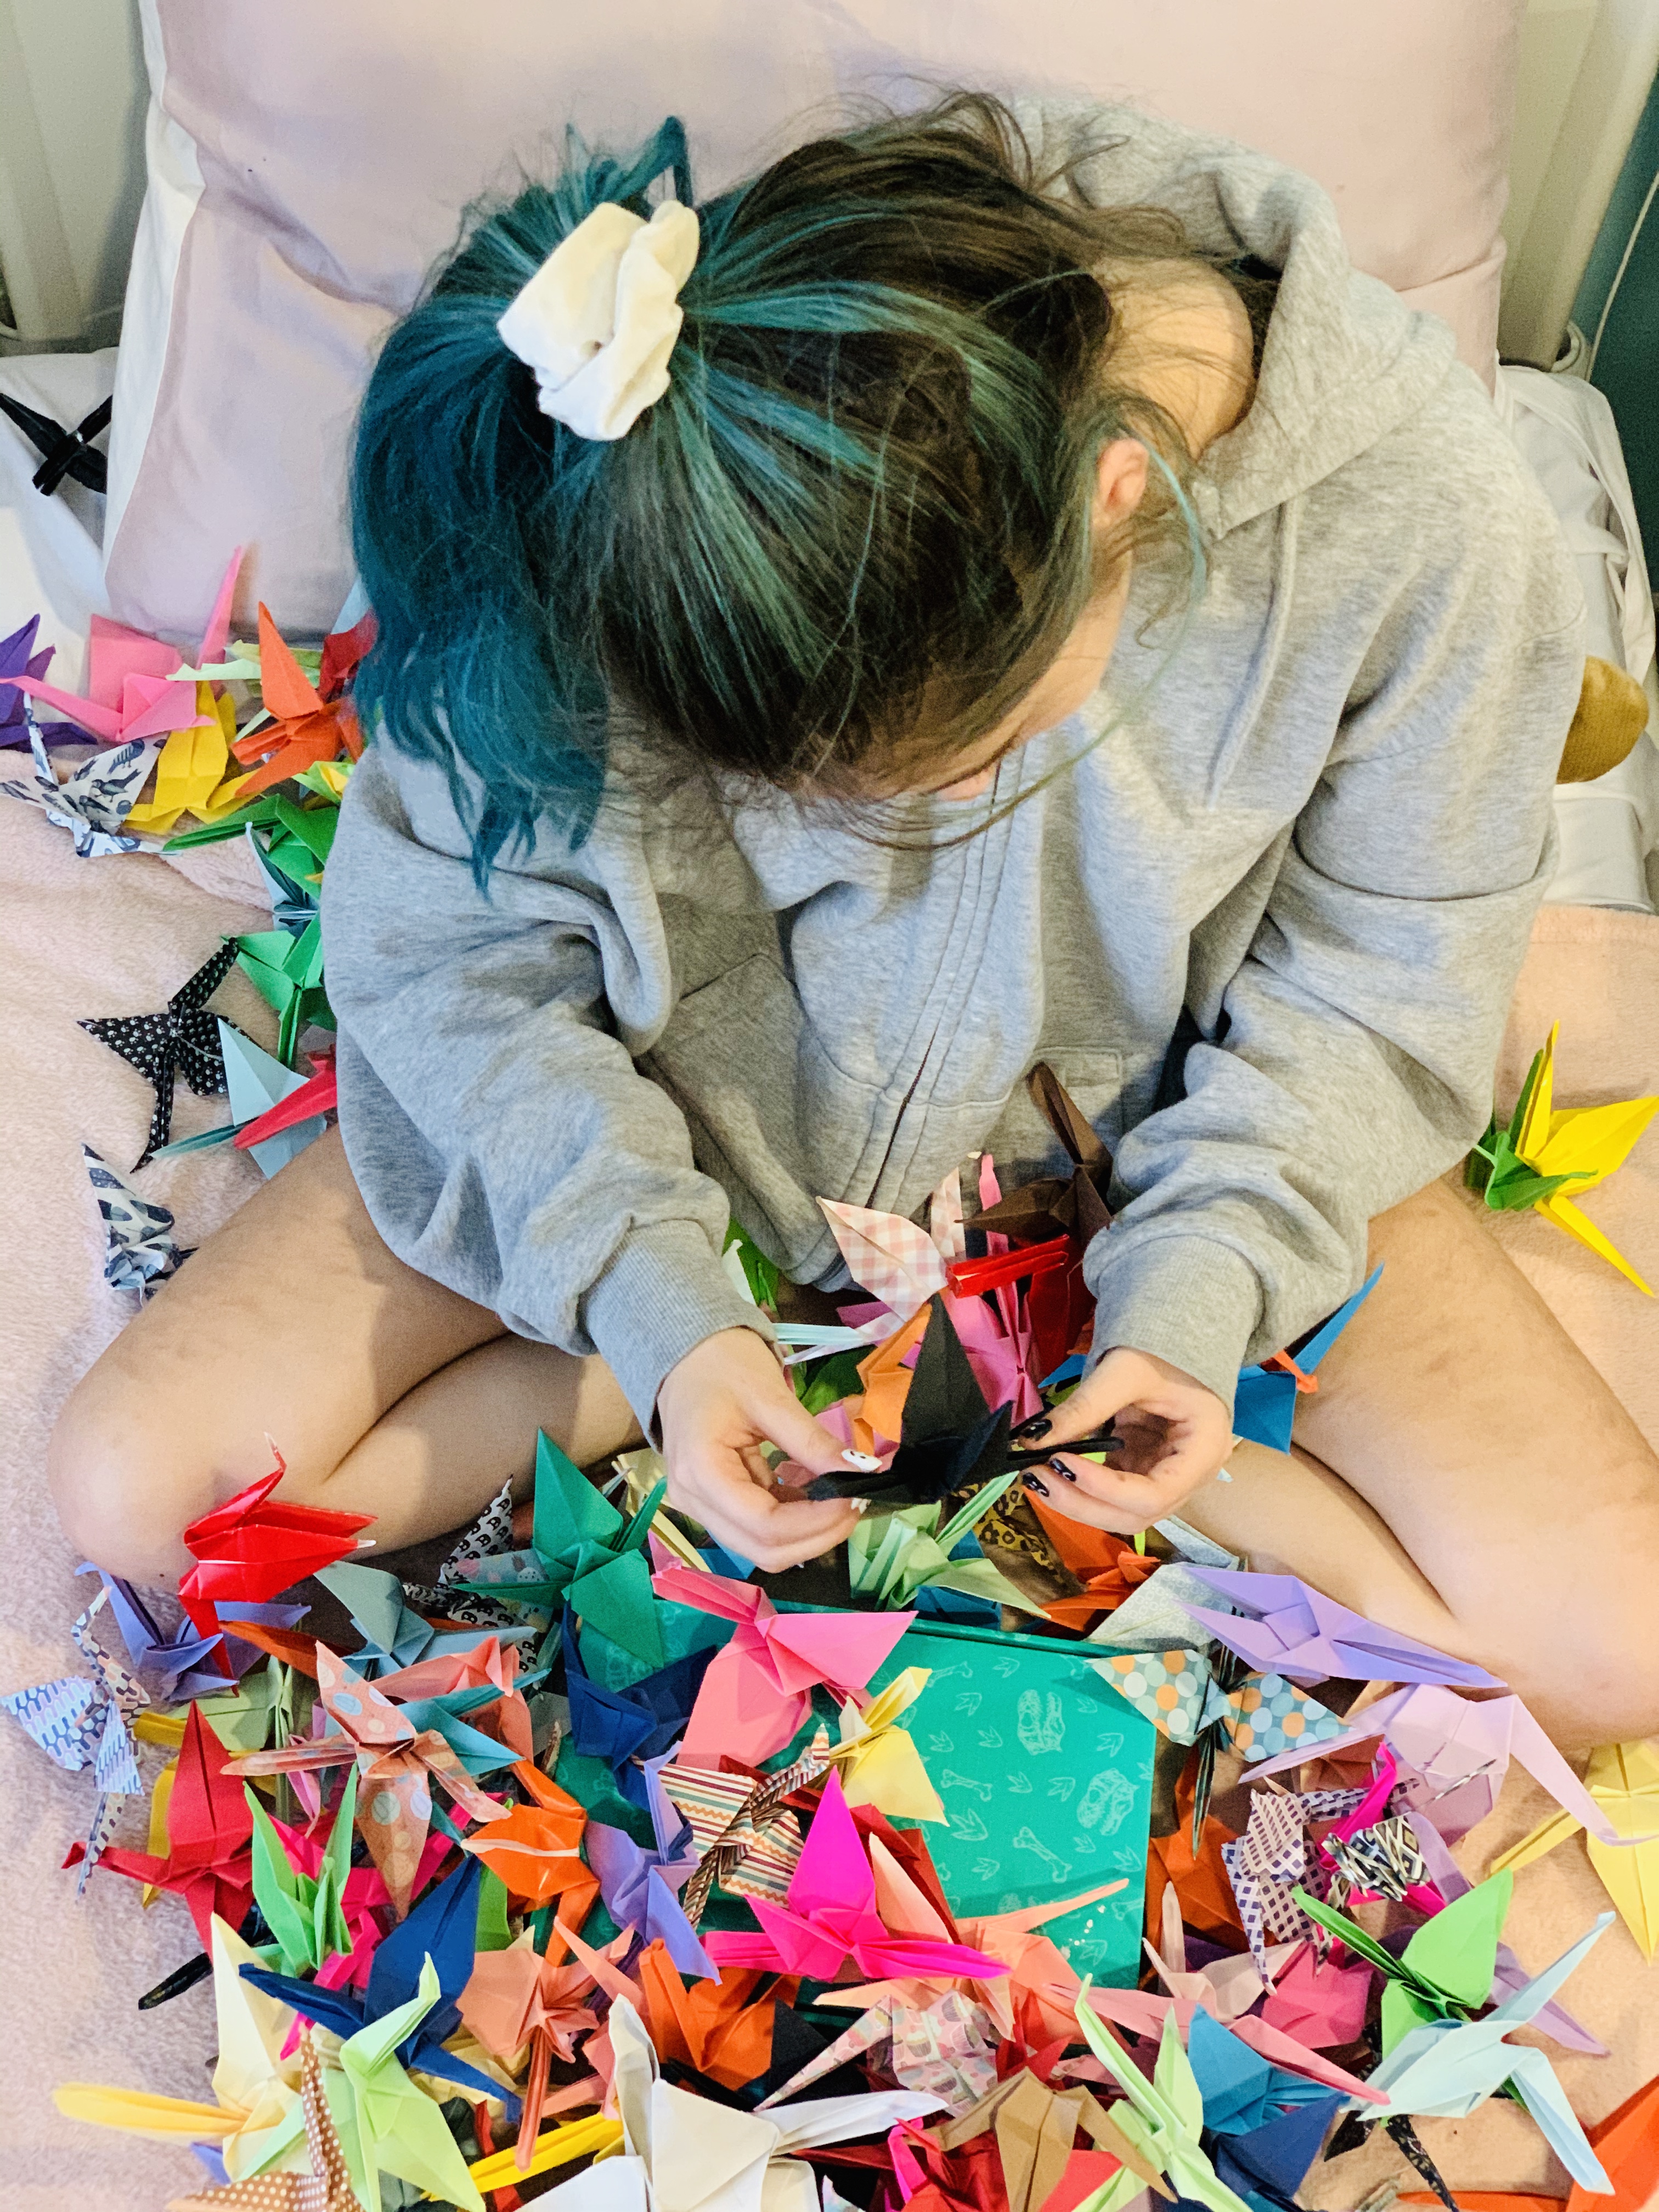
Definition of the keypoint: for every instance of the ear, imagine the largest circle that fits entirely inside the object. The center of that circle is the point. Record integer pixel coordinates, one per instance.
(1119, 482)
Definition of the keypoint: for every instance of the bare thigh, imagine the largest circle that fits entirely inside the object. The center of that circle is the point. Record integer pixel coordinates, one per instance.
(1464, 1474)
(295, 1327)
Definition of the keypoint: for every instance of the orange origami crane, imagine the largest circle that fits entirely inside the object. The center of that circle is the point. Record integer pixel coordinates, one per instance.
(715, 2026)
(516, 1997)
(1104, 1591)
(209, 1832)
(308, 730)
(1627, 2144)
(397, 1765)
(534, 1849)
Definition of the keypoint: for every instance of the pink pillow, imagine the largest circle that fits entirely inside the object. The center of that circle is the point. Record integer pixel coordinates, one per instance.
(309, 162)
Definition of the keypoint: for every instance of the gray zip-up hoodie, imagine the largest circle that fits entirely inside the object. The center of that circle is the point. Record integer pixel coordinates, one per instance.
(1323, 829)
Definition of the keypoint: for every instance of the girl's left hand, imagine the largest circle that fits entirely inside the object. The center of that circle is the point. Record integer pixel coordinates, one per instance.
(1175, 1434)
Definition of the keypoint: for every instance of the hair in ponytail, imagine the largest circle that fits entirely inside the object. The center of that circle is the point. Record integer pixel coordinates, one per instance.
(867, 486)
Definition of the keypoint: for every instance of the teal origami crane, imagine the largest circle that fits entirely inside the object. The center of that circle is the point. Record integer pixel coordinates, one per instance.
(583, 1553)
(1443, 2067)
(287, 972)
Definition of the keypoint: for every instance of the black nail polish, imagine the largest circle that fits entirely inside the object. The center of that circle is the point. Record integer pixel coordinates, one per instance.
(1032, 1483)
(1029, 1432)
(1064, 1473)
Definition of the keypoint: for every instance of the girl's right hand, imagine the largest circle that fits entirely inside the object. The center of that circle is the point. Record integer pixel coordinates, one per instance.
(726, 1398)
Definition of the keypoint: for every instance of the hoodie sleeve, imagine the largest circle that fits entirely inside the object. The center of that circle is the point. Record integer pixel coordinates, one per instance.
(502, 1139)
(1347, 1061)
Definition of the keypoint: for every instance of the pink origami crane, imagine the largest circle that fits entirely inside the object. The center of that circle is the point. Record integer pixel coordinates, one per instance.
(1228, 1986)
(1143, 2013)
(1283, 1627)
(832, 1913)
(1460, 1750)
(397, 1765)
(894, 1260)
(488, 1663)
(131, 694)
(758, 1689)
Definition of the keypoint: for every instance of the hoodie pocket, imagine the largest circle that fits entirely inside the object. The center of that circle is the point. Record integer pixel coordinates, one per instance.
(772, 1120)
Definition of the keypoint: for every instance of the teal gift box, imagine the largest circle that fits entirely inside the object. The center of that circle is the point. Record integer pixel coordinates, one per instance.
(1046, 1777)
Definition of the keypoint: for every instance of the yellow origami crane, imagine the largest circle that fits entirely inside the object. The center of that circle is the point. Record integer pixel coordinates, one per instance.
(879, 1763)
(1543, 1150)
(1624, 1780)
(189, 770)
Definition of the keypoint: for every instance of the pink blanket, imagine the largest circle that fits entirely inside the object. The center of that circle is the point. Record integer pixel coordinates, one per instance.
(116, 936)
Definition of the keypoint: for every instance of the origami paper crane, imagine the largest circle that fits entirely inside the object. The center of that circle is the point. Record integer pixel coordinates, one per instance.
(1627, 2143)
(256, 1082)
(140, 1249)
(287, 972)
(1162, 2119)
(1264, 1401)
(256, 2115)
(1460, 1751)
(389, 2125)
(209, 1832)
(516, 1997)
(489, 1537)
(686, 2154)
(895, 1556)
(471, 1671)
(894, 1260)
(134, 693)
(627, 1726)
(946, 2049)
(878, 1761)
(1282, 1625)
(745, 1838)
(397, 1763)
(1059, 1304)
(395, 1638)
(1319, 2002)
(758, 1691)
(639, 1887)
(1543, 1151)
(190, 769)
(325, 2188)
(92, 801)
(950, 1438)
(1105, 1589)
(305, 730)
(832, 1914)
(19, 657)
(714, 2026)
(1445, 1972)
(583, 1553)
(1445, 2065)
(1229, 1986)
(169, 1663)
(1266, 1864)
(183, 1038)
(1036, 2126)
(305, 1913)
(250, 1549)
(80, 1721)
(439, 1933)
(1622, 1782)
(534, 1849)
(1178, 1692)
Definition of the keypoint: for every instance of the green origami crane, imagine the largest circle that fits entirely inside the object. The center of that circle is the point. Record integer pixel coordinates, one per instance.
(1495, 1167)
(287, 974)
(384, 2122)
(1445, 1972)
(891, 1556)
(583, 1554)
(1163, 2119)
(306, 1917)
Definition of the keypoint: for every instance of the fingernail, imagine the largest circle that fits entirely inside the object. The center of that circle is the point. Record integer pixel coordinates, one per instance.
(1064, 1473)
(1033, 1483)
(858, 1505)
(1029, 1432)
(863, 1463)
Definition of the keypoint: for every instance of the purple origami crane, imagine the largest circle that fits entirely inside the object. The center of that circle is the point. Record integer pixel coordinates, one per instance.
(18, 658)
(1280, 1625)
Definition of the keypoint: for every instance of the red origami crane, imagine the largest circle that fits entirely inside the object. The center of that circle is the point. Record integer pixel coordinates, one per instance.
(251, 1551)
(397, 1765)
(209, 1837)
(832, 1912)
(308, 728)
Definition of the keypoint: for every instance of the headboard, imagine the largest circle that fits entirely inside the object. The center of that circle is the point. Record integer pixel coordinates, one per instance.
(72, 113)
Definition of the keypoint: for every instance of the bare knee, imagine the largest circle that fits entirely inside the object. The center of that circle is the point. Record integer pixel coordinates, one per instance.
(121, 1479)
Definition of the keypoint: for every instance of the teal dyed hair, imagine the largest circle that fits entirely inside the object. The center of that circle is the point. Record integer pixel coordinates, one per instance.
(859, 518)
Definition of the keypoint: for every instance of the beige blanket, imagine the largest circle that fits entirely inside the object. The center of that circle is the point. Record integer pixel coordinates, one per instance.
(115, 936)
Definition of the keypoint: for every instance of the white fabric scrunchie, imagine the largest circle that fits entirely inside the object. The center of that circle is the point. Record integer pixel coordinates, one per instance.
(599, 319)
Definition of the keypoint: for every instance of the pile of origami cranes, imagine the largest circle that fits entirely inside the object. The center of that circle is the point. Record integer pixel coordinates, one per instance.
(990, 1863)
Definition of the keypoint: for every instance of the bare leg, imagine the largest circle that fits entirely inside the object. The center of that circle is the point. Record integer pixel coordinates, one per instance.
(1476, 1484)
(385, 1393)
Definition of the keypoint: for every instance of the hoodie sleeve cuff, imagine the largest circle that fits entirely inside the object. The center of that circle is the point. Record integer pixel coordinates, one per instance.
(663, 1292)
(1189, 1300)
